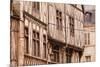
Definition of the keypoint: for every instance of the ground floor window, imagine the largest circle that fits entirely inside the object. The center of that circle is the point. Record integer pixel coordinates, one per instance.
(68, 55)
(88, 58)
(68, 59)
(55, 50)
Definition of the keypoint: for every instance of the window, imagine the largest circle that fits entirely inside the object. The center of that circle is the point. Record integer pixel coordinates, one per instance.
(26, 41)
(88, 17)
(56, 53)
(36, 44)
(88, 58)
(88, 38)
(68, 55)
(44, 46)
(62, 56)
(85, 35)
(59, 19)
(71, 20)
(68, 58)
(35, 6)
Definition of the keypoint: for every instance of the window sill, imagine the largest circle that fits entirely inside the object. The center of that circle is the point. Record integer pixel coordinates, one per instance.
(34, 57)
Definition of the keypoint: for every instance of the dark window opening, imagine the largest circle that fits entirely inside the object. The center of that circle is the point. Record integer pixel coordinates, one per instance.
(59, 20)
(36, 44)
(71, 26)
(26, 41)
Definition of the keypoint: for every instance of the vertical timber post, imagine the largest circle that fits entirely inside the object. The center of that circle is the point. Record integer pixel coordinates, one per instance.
(21, 37)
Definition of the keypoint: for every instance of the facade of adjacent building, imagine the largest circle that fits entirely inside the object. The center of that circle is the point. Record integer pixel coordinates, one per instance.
(46, 33)
(89, 54)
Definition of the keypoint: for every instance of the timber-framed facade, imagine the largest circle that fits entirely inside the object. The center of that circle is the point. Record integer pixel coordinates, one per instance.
(46, 33)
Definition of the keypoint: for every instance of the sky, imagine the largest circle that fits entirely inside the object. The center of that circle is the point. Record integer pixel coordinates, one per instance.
(89, 7)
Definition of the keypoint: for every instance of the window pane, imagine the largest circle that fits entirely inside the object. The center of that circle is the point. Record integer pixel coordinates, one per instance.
(88, 38)
(56, 53)
(26, 40)
(57, 56)
(38, 48)
(26, 31)
(71, 26)
(88, 58)
(85, 38)
(34, 48)
(44, 50)
(59, 19)
(34, 35)
(37, 35)
(26, 43)
(44, 38)
(37, 5)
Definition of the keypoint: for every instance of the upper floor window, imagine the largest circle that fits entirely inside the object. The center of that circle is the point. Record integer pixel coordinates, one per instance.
(85, 37)
(88, 38)
(36, 44)
(59, 19)
(44, 46)
(88, 17)
(26, 40)
(71, 20)
(35, 6)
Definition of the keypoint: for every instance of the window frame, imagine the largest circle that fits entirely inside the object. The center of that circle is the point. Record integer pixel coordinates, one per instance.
(55, 53)
(68, 55)
(35, 43)
(85, 35)
(71, 24)
(44, 47)
(88, 38)
(36, 7)
(26, 37)
(88, 58)
(59, 24)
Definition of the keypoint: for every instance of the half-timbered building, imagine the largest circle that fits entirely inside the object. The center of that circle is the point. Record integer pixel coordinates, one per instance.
(45, 33)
